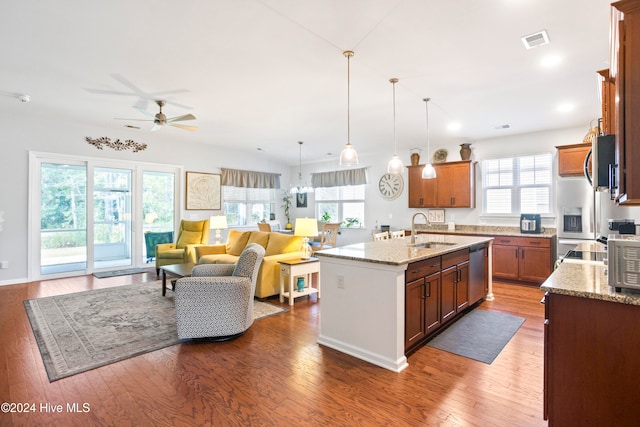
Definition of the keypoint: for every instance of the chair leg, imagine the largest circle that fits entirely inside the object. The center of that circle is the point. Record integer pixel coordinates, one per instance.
(157, 273)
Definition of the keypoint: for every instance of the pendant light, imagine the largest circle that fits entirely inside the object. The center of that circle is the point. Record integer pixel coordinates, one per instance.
(395, 165)
(428, 172)
(348, 156)
(300, 188)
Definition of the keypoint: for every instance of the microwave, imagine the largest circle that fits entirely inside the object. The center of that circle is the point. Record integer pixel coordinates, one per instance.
(603, 159)
(623, 258)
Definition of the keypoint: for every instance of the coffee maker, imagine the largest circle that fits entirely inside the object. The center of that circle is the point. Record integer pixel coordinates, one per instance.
(530, 223)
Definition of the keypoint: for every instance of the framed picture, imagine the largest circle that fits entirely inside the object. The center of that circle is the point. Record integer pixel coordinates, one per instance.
(301, 200)
(203, 191)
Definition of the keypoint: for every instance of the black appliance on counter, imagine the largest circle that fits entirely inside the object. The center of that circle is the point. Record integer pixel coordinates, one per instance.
(623, 226)
(530, 224)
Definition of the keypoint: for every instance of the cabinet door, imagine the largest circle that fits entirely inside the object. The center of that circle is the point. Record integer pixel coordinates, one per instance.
(448, 304)
(571, 159)
(432, 302)
(422, 192)
(462, 287)
(455, 186)
(534, 264)
(414, 313)
(505, 262)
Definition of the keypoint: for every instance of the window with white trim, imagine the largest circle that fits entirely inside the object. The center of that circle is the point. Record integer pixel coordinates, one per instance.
(248, 206)
(343, 204)
(516, 185)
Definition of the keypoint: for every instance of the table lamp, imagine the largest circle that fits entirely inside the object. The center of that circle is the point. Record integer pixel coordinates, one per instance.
(218, 222)
(306, 227)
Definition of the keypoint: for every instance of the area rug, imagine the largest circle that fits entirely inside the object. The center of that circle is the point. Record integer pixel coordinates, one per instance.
(114, 273)
(85, 330)
(480, 335)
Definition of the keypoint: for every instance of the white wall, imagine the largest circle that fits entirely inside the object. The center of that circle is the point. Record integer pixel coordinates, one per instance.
(21, 134)
(396, 213)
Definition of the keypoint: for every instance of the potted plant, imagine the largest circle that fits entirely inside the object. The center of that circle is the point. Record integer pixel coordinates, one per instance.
(349, 222)
(286, 204)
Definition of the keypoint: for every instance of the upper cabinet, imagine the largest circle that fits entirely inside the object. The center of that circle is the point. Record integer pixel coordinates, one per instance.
(571, 159)
(453, 187)
(625, 72)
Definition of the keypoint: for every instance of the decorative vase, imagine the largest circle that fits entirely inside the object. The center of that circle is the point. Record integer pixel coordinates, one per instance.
(288, 226)
(300, 284)
(415, 159)
(465, 151)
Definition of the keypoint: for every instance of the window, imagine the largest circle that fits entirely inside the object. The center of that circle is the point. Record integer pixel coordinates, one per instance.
(343, 204)
(517, 185)
(248, 206)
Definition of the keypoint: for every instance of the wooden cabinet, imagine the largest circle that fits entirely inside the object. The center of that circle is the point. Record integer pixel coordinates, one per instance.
(422, 300)
(608, 90)
(436, 290)
(625, 71)
(523, 259)
(453, 187)
(571, 159)
(591, 363)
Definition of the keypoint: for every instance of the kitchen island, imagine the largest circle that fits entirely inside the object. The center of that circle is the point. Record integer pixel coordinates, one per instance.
(363, 291)
(592, 348)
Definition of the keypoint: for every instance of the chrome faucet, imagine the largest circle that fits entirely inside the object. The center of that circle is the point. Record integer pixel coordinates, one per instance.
(413, 225)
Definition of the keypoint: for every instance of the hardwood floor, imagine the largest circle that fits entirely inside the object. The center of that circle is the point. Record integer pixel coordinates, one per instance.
(275, 374)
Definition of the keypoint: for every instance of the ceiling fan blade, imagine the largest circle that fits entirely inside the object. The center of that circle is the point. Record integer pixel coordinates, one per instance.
(185, 127)
(143, 111)
(181, 118)
(133, 120)
(155, 127)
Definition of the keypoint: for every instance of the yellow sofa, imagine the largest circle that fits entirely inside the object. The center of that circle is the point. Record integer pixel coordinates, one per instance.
(278, 246)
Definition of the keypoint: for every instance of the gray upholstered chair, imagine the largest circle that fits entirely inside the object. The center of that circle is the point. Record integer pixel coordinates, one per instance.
(216, 302)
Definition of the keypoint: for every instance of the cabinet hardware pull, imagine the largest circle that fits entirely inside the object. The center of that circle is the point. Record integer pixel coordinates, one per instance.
(429, 292)
(531, 242)
(416, 271)
(523, 254)
(516, 252)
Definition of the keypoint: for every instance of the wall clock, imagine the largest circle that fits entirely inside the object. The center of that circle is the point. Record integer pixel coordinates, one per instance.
(391, 185)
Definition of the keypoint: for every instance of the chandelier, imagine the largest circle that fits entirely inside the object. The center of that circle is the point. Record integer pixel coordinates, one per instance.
(300, 188)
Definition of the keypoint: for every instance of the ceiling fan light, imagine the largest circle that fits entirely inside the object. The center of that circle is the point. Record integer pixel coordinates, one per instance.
(428, 172)
(348, 156)
(395, 165)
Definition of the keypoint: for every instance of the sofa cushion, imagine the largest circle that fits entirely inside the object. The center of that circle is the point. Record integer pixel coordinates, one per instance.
(218, 259)
(282, 244)
(259, 237)
(236, 241)
(194, 226)
(188, 238)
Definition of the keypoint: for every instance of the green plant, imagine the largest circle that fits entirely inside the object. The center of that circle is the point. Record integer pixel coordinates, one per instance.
(349, 222)
(286, 204)
(326, 217)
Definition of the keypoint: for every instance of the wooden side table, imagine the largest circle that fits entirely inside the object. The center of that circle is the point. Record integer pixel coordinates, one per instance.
(177, 270)
(293, 268)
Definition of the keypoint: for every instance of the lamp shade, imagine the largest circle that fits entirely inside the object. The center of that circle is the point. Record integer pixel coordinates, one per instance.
(218, 222)
(306, 227)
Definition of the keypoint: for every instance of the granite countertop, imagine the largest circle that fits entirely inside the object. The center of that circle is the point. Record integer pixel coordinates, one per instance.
(484, 230)
(587, 281)
(399, 251)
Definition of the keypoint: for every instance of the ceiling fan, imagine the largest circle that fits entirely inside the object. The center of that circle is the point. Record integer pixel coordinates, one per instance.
(160, 119)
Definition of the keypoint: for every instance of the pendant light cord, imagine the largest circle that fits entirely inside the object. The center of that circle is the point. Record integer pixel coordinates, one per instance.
(348, 97)
(395, 148)
(426, 103)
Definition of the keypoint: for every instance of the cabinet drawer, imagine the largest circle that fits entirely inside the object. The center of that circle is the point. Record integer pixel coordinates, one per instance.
(419, 269)
(454, 258)
(536, 242)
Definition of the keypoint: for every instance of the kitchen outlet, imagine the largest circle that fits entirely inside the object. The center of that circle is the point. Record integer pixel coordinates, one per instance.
(340, 281)
(4, 264)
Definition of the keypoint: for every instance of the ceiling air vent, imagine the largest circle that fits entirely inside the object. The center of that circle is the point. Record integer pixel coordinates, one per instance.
(505, 126)
(536, 39)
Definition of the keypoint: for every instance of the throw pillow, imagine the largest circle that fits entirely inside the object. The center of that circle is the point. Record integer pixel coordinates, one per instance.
(236, 241)
(282, 244)
(259, 237)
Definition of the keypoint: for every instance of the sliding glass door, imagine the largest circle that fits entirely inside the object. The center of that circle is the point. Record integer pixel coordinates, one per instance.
(92, 215)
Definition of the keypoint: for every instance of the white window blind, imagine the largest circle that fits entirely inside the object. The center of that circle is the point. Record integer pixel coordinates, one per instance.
(516, 185)
(248, 206)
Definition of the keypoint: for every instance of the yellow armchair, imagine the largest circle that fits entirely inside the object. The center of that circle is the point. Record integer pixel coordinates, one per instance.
(190, 235)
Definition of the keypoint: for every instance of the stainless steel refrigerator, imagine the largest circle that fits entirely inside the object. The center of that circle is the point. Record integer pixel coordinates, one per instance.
(577, 212)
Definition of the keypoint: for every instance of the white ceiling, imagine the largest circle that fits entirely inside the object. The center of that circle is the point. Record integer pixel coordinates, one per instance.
(267, 73)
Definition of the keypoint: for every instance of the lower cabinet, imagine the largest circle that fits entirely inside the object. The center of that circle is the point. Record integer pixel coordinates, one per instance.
(591, 362)
(523, 259)
(436, 290)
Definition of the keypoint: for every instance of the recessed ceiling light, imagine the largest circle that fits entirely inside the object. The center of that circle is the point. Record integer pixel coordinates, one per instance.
(454, 126)
(565, 108)
(550, 61)
(536, 39)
